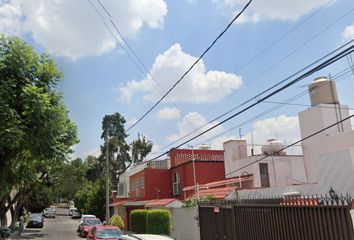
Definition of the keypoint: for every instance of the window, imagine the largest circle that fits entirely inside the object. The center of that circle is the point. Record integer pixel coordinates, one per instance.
(132, 186)
(137, 187)
(142, 182)
(121, 188)
(264, 174)
(176, 183)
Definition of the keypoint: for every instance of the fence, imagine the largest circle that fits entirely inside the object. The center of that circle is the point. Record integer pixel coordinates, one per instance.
(315, 217)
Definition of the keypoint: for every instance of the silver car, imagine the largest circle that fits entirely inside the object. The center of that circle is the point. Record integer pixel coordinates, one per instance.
(49, 213)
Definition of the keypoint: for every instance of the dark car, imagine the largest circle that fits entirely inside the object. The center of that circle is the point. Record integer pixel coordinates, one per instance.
(35, 220)
(87, 224)
(76, 214)
(104, 232)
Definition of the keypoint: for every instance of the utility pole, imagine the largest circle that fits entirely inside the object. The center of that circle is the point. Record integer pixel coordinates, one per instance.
(194, 177)
(107, 178)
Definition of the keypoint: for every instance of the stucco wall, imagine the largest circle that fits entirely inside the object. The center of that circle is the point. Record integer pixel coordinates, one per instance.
(287, 170)
(184, 224)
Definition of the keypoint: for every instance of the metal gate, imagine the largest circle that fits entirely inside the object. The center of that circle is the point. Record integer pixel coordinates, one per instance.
(297, 219)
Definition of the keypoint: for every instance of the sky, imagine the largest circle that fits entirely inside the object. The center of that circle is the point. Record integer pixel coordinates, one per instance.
(106, 71)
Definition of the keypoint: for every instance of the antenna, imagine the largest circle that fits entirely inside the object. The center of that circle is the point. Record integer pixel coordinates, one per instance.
(252, 146)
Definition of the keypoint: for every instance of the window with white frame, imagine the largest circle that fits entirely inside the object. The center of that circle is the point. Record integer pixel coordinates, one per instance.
(142, 182)
(176, 183)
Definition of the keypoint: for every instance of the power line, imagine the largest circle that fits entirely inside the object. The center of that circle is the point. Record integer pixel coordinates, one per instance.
(279, 105)
(191, 67)
(299, 141)
(133, 56)
(260, 99)
(279, 61)
(263, 92)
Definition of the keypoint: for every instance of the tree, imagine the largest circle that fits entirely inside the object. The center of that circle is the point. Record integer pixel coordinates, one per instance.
(71, 177)
(114, 135)
(36, 133)
(140, 149)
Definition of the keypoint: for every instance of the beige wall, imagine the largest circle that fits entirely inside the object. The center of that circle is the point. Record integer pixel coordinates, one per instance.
(184, 224)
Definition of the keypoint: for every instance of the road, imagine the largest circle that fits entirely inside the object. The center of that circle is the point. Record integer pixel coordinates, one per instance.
(61, 227)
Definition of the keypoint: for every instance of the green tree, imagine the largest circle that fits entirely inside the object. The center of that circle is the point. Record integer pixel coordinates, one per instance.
(71, 177)
(36, 133)
(140, 148)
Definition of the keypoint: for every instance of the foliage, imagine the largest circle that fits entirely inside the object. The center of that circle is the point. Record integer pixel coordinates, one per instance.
(70, 178)
(39, 198)
(138, 220)
(91, 198)
(117, 221)
(193, 201)
(36, 133)
(158, 222)
(140, 149)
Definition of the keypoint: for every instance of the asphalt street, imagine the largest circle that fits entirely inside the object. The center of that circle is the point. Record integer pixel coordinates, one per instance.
(61, 227)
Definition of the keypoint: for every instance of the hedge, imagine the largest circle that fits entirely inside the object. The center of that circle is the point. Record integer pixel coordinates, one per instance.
(138, 220)
(158, 222)
(117, 221)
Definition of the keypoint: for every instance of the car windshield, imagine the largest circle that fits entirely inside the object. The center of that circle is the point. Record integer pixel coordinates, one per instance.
(108, 233)
(92, 222)
(35, 217)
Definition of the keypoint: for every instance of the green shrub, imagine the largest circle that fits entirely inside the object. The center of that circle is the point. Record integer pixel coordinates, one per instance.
(158, 222)
(138, 220)
(117, 221)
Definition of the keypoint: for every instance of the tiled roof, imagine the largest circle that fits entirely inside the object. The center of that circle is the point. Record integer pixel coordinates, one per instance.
(159, 202)
(218, 193)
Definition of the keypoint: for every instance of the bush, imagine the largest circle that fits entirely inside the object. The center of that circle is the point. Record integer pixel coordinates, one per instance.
(158, 222)
(117, 221)
(138, 220)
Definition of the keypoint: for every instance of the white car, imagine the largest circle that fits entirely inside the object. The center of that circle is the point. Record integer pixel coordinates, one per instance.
(71, 209)
(144, 237)
(49, 213)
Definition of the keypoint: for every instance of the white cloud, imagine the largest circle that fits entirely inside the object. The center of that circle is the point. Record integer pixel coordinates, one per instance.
(155, 151)
(199, 86)
(284, 128)
(271, 9)
(130, 122)
(73, 28)
(168, 113)
(348, 32)
(194, 121)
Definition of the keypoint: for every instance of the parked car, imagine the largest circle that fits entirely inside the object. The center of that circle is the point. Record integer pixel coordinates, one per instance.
(71, 209)
(87, 224)
(144, 237)
(49, 213)
(104, 232)
(76, 214)
(83, 217)
(35, 220)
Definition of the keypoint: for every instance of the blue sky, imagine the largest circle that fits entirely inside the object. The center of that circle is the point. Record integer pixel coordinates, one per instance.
(99, 77)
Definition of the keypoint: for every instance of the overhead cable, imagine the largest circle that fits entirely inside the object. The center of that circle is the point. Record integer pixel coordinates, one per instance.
(192, 66)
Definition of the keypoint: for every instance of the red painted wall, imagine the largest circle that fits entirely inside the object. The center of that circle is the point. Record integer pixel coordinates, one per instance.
(158, 178)
(154, 179)
(205, 172)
